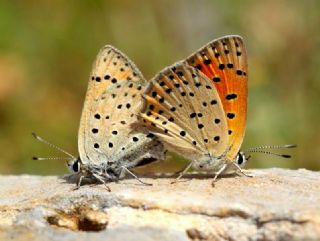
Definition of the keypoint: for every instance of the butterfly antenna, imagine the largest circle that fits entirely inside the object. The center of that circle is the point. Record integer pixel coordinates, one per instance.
(262, 149)
(54, 147)
(51, 158)
(271, 147)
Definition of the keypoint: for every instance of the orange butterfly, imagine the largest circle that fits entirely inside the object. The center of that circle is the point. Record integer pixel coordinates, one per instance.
(198, 107)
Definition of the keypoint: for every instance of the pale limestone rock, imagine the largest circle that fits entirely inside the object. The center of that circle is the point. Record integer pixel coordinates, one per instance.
(276, 204)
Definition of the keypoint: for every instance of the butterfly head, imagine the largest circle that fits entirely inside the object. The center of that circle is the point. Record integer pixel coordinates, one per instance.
(239, 162)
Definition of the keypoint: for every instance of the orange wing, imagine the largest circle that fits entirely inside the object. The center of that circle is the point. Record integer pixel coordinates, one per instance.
(224, 61)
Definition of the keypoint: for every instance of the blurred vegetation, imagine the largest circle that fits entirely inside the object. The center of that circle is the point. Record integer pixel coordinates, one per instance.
(47, 49)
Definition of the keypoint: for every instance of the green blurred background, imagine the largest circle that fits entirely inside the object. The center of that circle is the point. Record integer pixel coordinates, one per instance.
(47, 49)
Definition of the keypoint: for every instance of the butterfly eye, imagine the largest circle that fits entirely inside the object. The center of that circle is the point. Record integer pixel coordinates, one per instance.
(241, 159)
(74, 166)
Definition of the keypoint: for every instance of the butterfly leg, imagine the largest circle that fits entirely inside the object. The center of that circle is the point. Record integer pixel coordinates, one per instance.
(102, 181)
(184, 171)
(78, 183)
(132, 174)
(218, 174)
(242, 171)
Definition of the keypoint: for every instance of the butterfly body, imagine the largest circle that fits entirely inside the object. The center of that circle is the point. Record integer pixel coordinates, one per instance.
(197, 107)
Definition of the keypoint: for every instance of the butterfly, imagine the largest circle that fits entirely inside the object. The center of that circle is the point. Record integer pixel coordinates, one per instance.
(108, 142)
(198, 107)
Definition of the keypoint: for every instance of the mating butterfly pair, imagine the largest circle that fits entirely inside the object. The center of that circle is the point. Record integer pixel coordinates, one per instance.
(196, 108)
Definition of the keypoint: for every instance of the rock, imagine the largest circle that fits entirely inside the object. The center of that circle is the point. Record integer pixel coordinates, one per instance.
(276, 204)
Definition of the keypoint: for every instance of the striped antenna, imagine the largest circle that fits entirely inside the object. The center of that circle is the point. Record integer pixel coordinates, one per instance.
(51, 158)
(54, 147)
(262, 149)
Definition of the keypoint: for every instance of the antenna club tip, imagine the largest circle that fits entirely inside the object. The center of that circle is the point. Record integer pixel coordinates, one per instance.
(35, 158)
(286, 156)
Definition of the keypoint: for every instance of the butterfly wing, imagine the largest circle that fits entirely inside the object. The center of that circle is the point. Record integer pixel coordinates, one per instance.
(224, 61)
(112, 100)
(184, 111)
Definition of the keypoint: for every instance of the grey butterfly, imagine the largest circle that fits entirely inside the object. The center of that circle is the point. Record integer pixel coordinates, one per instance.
(109, 143)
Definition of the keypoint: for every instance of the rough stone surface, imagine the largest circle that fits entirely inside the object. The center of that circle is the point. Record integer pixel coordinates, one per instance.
(276, 204)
